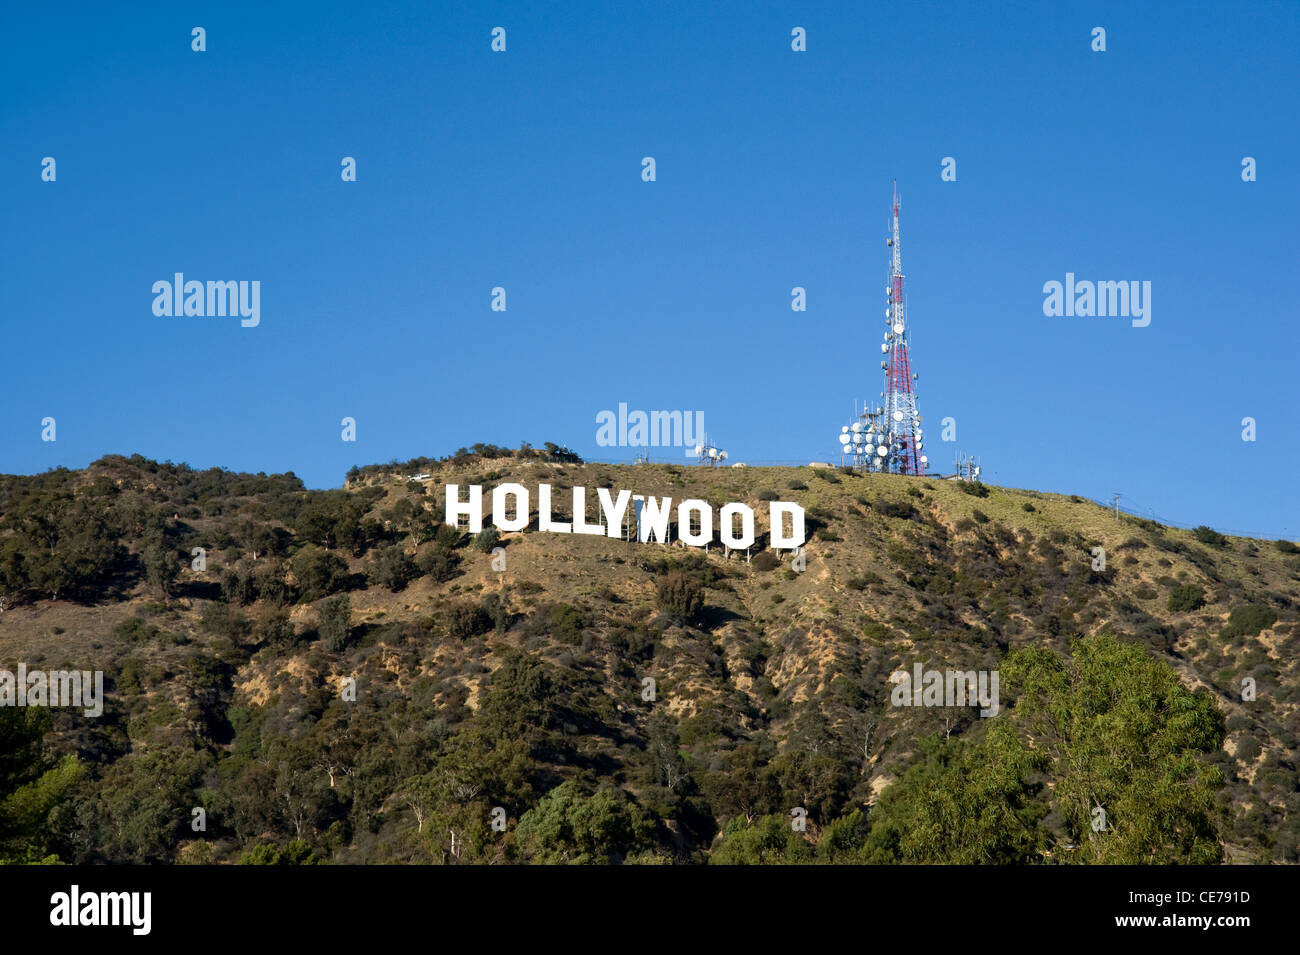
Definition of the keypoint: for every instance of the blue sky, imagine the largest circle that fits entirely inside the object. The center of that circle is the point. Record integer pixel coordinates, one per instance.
(774, 169)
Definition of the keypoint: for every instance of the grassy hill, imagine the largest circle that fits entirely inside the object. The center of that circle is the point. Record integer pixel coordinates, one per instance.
(231, 689)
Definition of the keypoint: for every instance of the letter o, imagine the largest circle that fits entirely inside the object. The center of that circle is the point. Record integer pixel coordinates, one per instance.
(684, 510)
(727, 523)
(520, 494)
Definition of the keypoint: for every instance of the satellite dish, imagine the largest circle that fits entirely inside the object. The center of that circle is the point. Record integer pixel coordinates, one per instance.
(924, 459)
(844, 439)
(898, 328)
(882, 451)
(888, 312)
(713, 452)
(977, 472)
(883, 348)
(722, 455)
(857, 426)
(898, 416)
(699, 448)
(845, 428)
(889, 242)
(914, 376)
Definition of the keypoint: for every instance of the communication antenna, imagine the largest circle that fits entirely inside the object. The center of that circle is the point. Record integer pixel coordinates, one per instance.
(906, 441)
(890, 438)
(1115, 501)
(863, 444)
(968, 467)
(709, 455)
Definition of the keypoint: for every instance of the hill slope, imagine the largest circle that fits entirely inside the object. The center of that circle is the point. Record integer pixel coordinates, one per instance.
(524, 688)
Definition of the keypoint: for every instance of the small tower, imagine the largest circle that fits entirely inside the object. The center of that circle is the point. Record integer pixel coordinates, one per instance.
(709, 455)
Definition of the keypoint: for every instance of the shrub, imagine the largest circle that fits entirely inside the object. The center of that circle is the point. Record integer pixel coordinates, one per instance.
(1186, 598)
(1249, 620)
(226, 621)
(680, 597)
(1207, 535)
(980, 516)
(274, 626)
(238, 585)
(768, 495)
(1027, 507)
(1248, 749)
(765, 561)
(564, 622)
(796, 485)
(466, 619)
(135, 630)
(319, 573)
(269, 582)
(486, 539)
(973, 488)
(391, 569)
(438, 562)
(497, 607)
(1286, 547)
(335, 622)
(899, 509)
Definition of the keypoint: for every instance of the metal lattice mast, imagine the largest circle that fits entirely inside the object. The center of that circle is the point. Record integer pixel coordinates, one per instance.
(901, 419)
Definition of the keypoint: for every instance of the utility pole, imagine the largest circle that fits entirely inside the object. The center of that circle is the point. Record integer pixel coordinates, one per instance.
(1115, 501)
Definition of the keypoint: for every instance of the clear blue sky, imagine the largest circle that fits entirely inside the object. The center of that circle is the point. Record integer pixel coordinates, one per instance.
(774, 170)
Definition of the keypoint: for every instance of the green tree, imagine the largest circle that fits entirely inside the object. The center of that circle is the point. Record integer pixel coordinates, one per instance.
(335, 621)
(962, 804)
(32, 785)
(294, 852)
(573, 827)
(769, 840)
(161, 567)
(1121, 733)
(318, 573)
(391, 569)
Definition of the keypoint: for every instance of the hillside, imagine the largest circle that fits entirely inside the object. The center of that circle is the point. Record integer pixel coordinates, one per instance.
(524, 688)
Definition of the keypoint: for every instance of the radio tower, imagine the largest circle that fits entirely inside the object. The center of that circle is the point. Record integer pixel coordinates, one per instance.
(901, 420)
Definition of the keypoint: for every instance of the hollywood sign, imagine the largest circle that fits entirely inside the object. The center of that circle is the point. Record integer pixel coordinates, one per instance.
(694, 517)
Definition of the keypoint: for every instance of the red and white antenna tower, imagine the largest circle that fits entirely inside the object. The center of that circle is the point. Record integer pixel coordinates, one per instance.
(902, 423)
